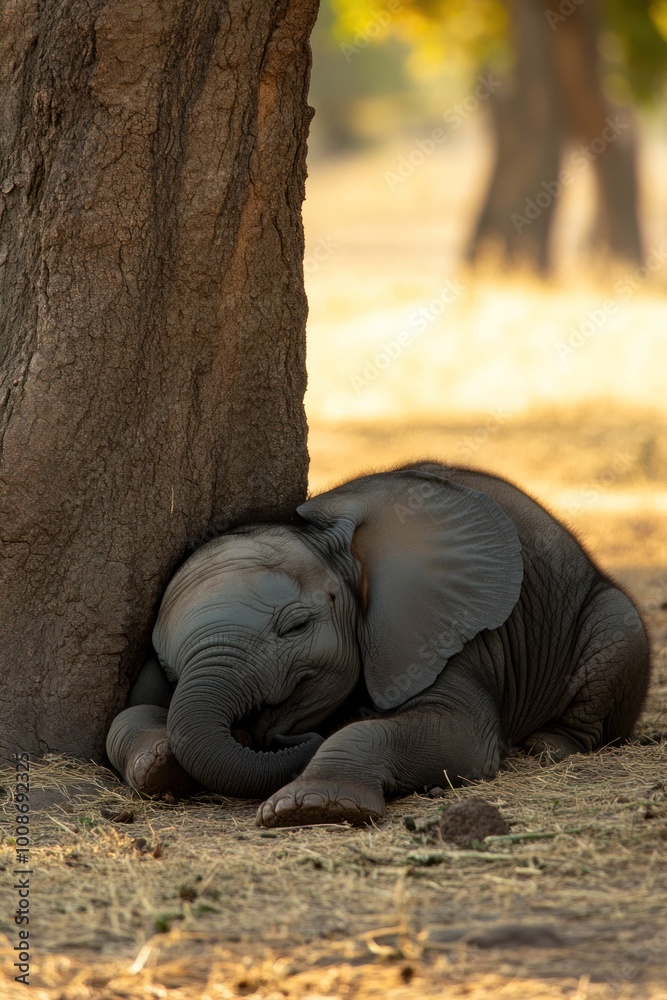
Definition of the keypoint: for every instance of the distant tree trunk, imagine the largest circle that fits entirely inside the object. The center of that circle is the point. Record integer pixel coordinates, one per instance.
(528, 131)
(152, 324)
(554, 97)
(587, 115)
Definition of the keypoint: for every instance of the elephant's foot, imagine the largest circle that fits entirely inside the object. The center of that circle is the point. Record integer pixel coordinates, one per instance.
(154, 770)
(138, 747)
(304, 802)
(554, 746)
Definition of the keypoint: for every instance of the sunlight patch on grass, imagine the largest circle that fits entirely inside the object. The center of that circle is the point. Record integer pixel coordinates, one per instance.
(478, 347)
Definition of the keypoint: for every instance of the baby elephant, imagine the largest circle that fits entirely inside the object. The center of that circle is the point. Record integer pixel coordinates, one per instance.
(407, 630)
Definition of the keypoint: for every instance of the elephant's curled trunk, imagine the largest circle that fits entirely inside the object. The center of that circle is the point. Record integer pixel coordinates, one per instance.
(200, 721)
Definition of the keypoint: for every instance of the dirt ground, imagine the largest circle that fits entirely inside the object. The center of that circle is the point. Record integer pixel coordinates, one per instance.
(138, 899)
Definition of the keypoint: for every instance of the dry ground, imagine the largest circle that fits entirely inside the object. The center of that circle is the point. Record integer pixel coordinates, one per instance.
(192, 900)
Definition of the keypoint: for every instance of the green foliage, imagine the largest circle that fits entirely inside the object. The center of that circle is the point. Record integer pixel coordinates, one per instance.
(464, 35)
(163, 922)
(459, 34)
(640, 30)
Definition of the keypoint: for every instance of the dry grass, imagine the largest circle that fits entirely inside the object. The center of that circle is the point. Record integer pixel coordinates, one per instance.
(192, 900)
(227, 910)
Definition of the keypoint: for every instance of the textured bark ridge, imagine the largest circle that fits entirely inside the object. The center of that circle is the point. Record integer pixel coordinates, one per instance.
(152, 324)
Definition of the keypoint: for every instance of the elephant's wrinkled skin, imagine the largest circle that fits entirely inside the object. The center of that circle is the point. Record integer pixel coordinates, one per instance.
(440, 612)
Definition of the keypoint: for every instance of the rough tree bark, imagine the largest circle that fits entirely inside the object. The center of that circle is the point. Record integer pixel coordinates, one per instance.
(554, 97)
(152, 325)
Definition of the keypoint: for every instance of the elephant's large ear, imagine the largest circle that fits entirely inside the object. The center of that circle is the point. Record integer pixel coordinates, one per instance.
(439, 562)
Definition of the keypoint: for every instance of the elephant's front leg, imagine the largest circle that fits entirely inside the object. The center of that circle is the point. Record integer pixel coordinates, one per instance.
(138, 747)
(353, 771)
(137, 742)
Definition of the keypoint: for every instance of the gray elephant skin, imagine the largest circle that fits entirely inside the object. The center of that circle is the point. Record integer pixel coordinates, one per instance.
(408, 629)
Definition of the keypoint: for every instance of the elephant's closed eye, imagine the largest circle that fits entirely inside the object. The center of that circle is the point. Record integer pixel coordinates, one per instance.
(287, 631)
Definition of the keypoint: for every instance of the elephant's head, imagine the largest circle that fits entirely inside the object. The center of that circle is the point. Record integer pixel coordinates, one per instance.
(267, 629)
(258, 630)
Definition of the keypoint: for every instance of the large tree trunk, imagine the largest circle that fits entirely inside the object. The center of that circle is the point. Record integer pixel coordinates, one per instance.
(554, 97)
(152, 369)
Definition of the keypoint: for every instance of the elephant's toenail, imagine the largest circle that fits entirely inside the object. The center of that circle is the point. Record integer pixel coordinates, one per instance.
(313, 799)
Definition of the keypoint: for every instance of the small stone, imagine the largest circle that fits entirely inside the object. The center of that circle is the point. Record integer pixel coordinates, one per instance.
(7, 185)
(409, 823)
(471, 821)
(651, 738)
(516, 936)
(442, 935)
(650, 811)
(424, 859)
(118, 815)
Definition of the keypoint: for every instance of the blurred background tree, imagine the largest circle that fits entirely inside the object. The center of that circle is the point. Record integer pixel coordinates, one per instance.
(568, 75)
